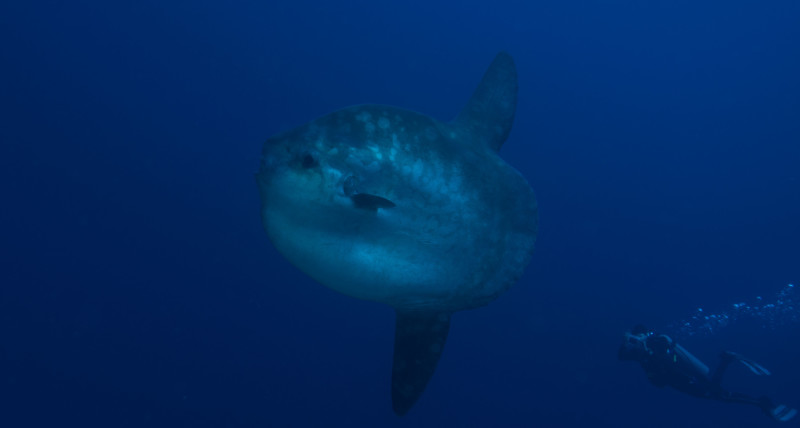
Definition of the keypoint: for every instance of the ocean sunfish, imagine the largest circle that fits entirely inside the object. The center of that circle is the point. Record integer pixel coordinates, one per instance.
(390, 205)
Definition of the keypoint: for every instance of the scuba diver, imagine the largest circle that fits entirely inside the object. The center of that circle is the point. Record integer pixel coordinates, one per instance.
(668, 363)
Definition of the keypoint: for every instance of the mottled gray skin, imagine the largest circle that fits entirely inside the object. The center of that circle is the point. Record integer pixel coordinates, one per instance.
(390, 205)
(460, 234)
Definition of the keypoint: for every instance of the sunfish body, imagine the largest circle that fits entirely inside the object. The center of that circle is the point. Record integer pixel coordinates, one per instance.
(393, 206)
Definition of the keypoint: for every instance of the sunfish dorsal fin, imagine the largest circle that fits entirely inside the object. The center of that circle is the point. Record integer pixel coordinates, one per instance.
(419, 338)
(490, 112)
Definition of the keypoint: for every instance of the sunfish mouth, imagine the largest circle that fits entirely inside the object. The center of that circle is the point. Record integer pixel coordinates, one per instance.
(363, 200)
(368, 202)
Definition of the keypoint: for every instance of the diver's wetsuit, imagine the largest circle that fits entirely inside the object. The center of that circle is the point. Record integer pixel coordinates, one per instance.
(670, 364)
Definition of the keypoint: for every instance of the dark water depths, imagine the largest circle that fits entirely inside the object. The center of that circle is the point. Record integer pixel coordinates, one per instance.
(138, 288)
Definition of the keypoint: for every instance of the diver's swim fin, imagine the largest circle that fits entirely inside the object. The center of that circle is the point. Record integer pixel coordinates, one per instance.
(782, 413)
(751, 365)
(754, 367)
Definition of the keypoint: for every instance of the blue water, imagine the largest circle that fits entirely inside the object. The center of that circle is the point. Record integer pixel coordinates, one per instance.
(138, 289)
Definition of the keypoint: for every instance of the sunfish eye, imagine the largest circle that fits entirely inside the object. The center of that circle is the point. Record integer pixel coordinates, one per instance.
(308, 161)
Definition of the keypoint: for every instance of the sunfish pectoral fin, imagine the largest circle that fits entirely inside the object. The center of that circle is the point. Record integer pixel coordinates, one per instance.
(419, 338)
(489, 114)
(370, 202)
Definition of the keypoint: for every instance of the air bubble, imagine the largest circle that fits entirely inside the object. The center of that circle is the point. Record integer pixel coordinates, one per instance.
(782, 311)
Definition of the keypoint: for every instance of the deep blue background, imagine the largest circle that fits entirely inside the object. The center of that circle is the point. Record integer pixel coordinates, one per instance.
(137, 287)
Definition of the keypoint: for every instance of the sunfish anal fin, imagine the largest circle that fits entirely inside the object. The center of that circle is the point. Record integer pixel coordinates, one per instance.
(419, 338)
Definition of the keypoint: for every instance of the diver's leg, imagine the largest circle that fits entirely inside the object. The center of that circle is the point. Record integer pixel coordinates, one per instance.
(736, 397)
(725, 359)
